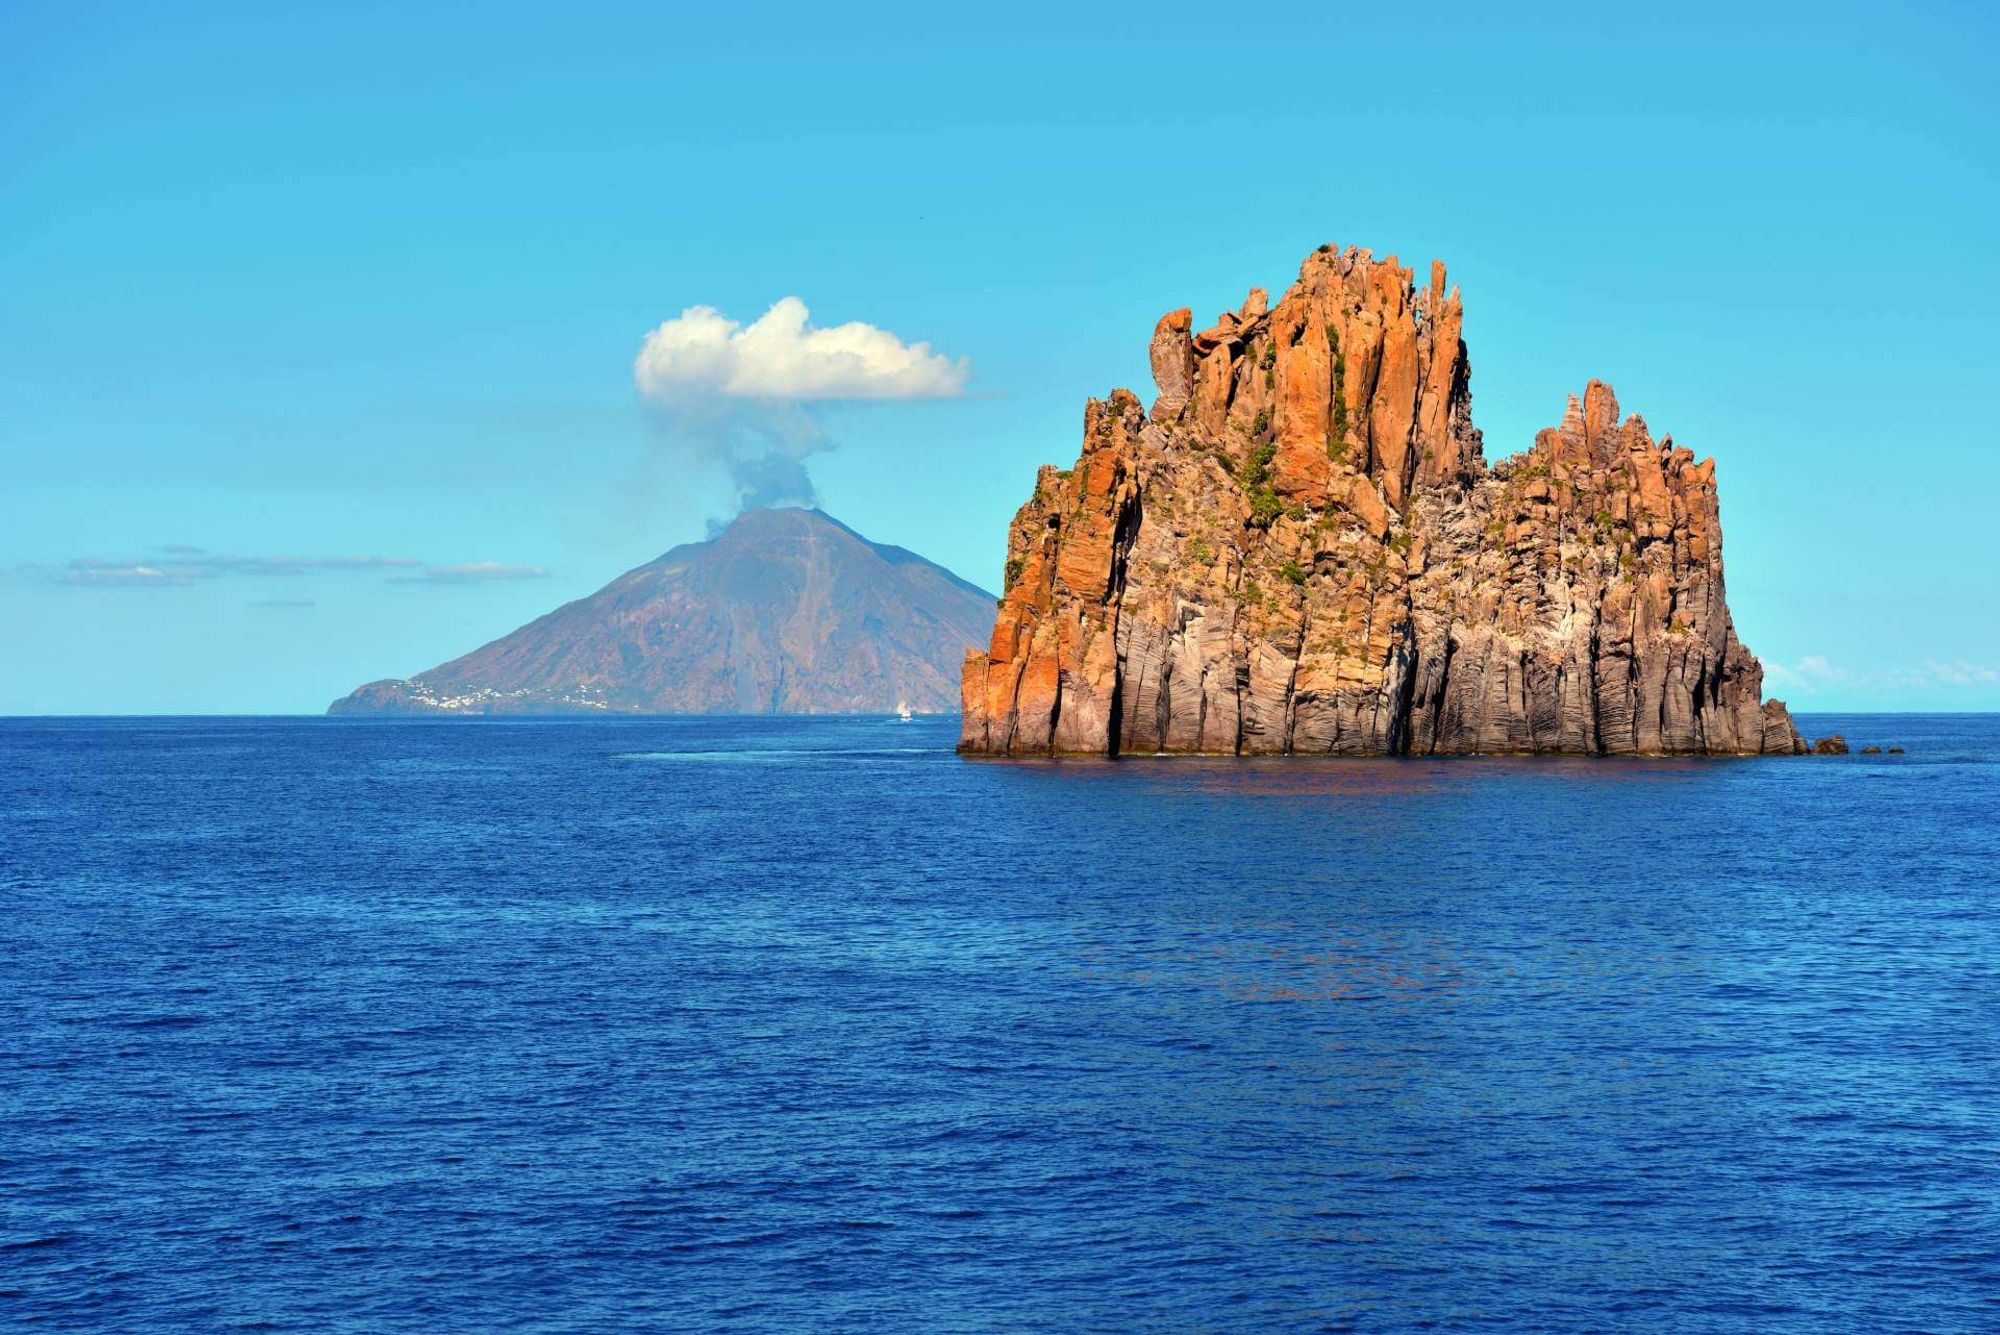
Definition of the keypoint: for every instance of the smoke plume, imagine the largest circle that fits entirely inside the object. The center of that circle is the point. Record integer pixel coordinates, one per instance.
(740, 400)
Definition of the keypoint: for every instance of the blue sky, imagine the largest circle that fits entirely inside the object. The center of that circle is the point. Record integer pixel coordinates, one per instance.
(352, 294)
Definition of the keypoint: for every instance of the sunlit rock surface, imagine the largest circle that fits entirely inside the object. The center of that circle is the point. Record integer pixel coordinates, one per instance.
(1300, 549)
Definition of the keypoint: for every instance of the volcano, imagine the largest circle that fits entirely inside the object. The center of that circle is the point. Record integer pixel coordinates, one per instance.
(783, 612)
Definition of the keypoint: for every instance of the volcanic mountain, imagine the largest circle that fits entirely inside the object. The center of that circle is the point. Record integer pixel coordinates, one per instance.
(783, 612)
(1300, 548)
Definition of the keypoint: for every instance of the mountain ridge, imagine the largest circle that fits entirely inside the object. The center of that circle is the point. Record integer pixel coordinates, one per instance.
(783, 611)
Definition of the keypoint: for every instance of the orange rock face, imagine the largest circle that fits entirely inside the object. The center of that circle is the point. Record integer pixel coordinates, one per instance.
(1301, 549)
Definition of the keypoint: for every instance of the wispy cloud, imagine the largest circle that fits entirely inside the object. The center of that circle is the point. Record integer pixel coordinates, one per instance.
(1814, 674)
(470, 572)
(1958, 672)
(180, 565)
(1808, 674)
(189, 565)
(120, 574)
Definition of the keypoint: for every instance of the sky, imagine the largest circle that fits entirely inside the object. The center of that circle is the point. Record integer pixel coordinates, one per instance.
(373, 331)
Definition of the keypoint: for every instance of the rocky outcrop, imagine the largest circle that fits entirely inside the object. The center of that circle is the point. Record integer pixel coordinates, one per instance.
(1301, 549)
(1835, 745)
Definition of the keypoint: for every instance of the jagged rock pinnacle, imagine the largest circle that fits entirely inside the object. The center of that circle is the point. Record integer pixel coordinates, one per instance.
(1301, 549)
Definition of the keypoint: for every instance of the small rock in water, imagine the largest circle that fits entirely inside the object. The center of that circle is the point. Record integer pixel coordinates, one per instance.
(1895, 750)
(1835, 745)
(1871, 750)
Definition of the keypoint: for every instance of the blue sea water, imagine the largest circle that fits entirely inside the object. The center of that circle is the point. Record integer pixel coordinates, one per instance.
(805, 1024)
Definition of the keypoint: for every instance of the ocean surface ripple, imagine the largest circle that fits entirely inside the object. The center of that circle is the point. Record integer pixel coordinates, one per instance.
(805, 1024)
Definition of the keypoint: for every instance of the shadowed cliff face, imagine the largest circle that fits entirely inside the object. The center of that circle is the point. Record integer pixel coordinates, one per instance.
(1302, 550)
(785, 612)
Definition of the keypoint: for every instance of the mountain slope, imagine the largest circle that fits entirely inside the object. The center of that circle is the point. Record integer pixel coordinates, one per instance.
(784, 612)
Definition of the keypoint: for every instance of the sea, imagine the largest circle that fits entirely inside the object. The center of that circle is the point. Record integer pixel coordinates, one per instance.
(806, 1024)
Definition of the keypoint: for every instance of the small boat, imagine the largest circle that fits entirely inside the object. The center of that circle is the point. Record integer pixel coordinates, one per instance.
(902, 711)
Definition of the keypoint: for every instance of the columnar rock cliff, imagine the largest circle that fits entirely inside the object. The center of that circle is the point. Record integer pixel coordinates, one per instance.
(1301, 549)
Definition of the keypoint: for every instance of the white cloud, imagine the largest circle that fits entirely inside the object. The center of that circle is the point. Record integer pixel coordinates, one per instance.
(1958, 672)
(470, 572)
(1814, 673)
(185, 565)
(1809, 674)
(703, 352)
(120, 574)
